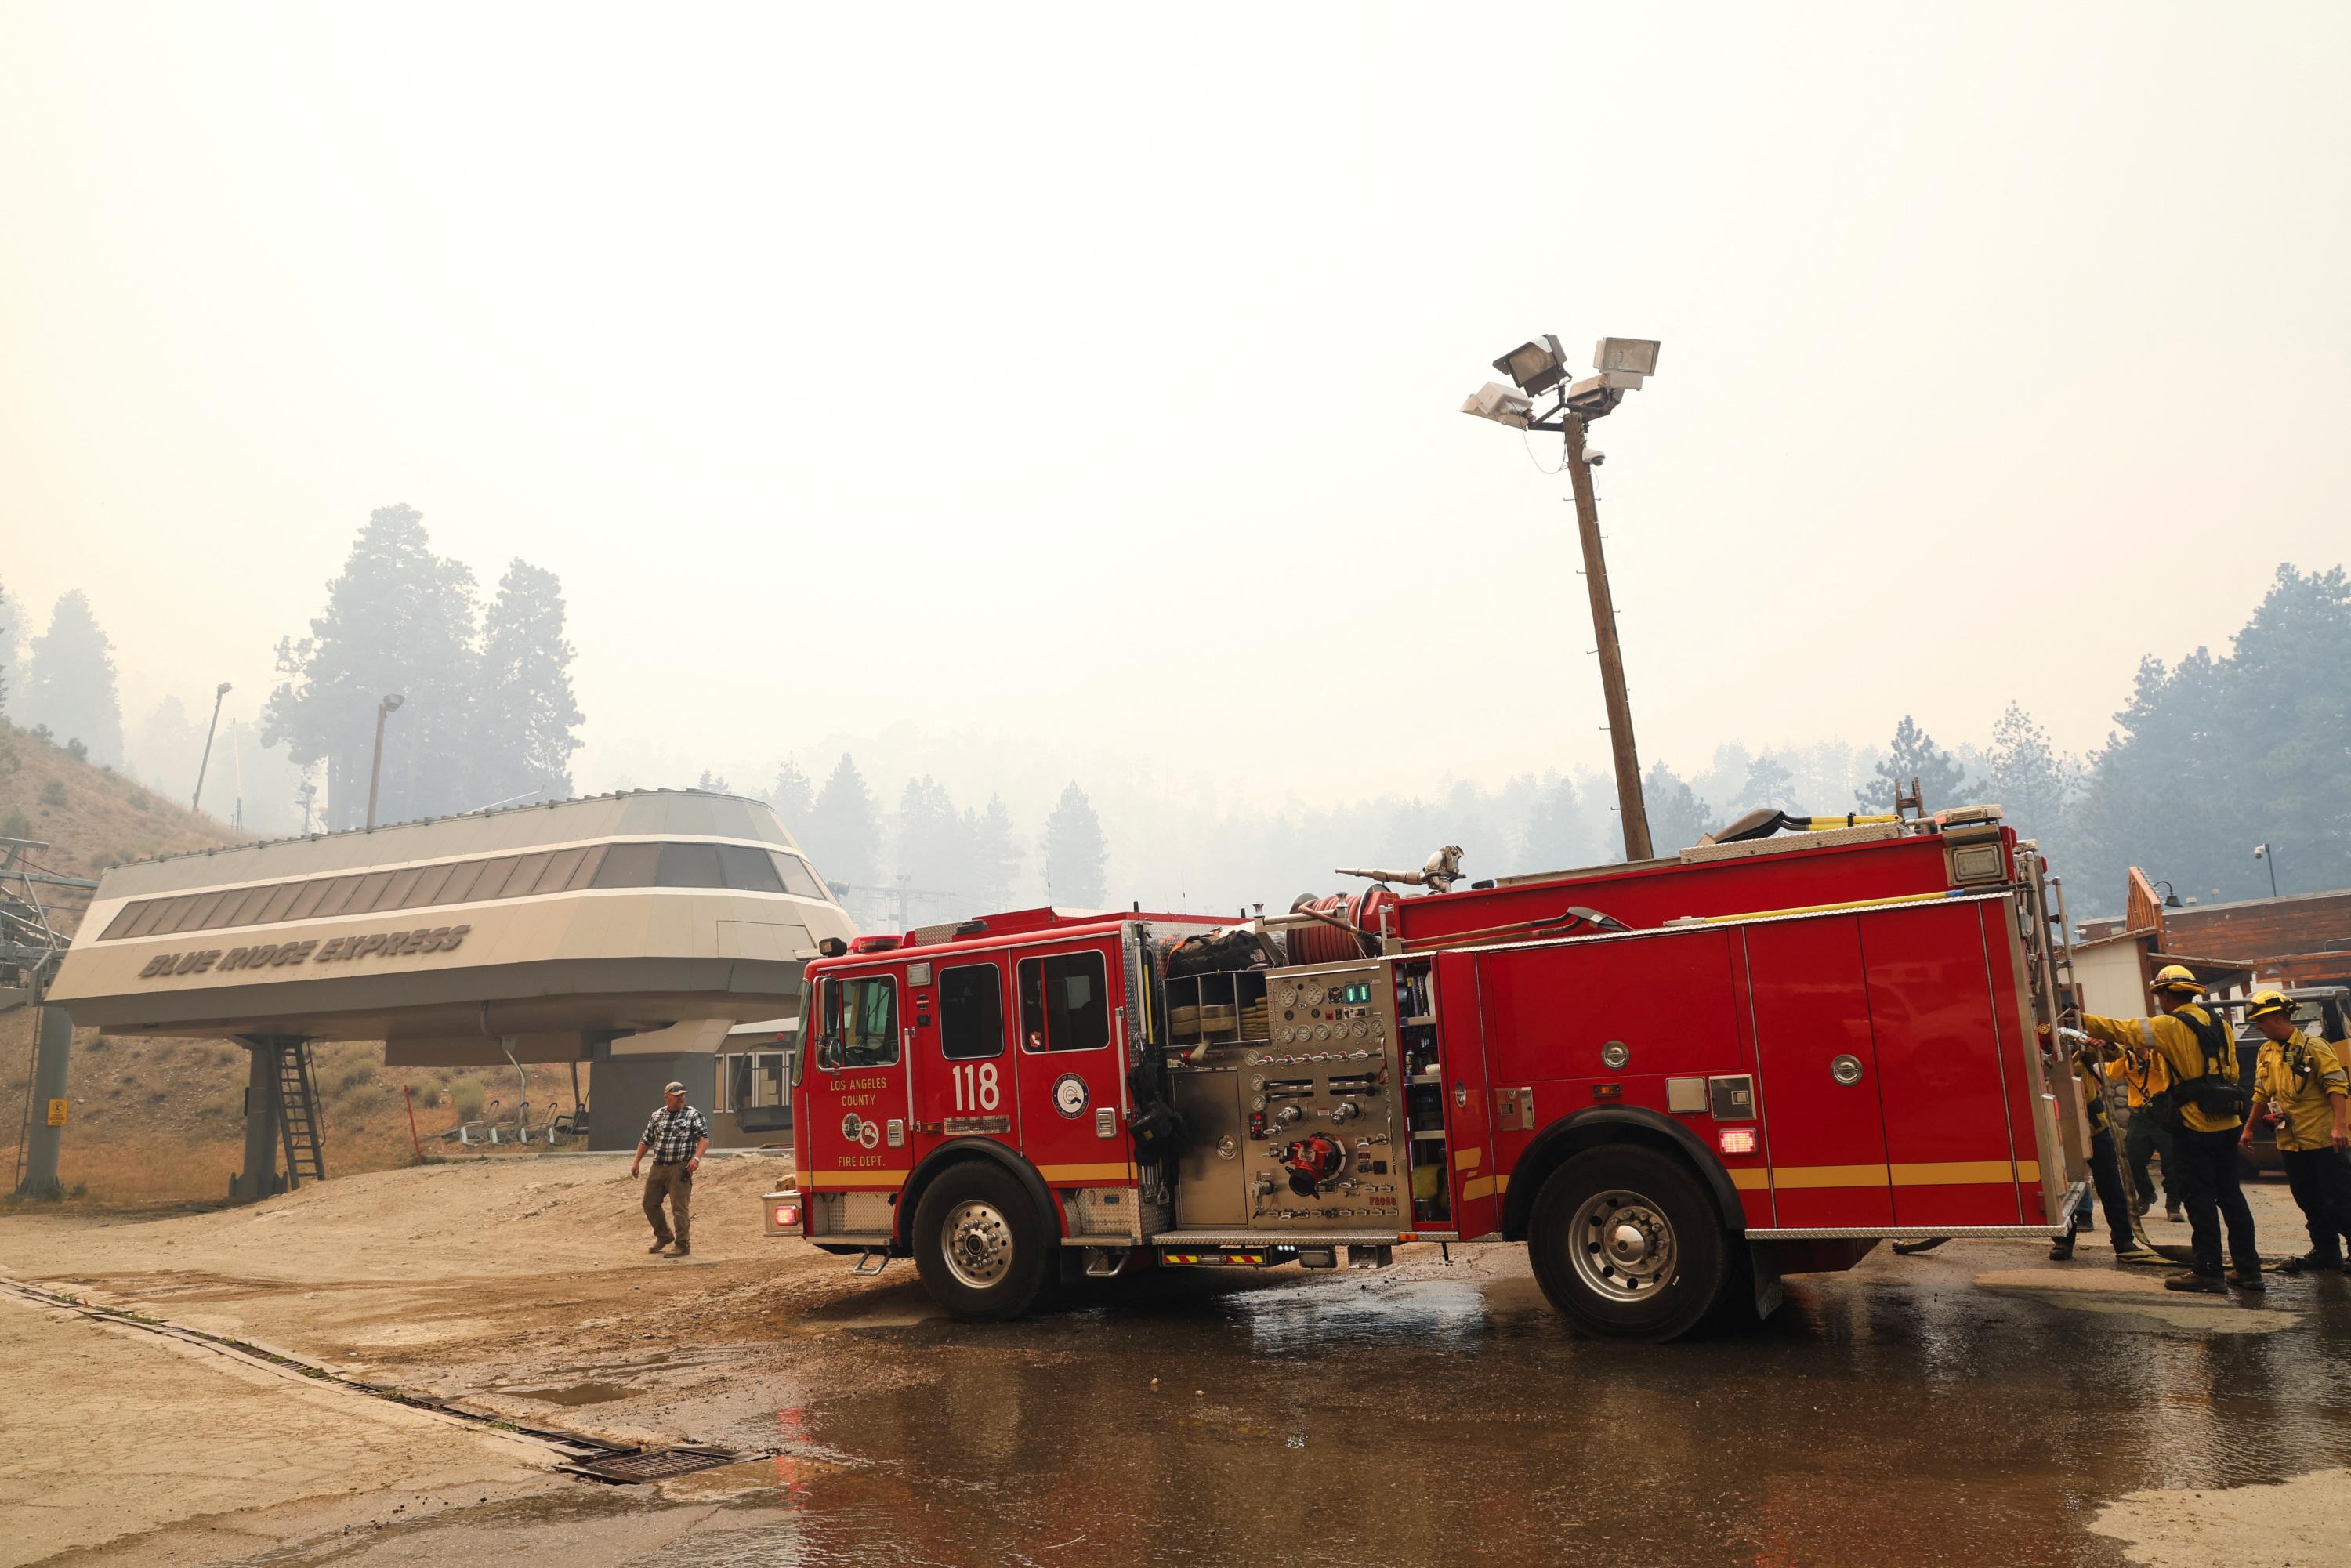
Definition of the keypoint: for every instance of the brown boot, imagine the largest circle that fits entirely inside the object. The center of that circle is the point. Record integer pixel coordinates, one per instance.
(658, 1245)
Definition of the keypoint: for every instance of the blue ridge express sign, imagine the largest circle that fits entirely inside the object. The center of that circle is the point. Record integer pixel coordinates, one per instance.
(273, 956)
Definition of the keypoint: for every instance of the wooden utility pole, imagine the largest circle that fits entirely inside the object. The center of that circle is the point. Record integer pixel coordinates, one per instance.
(1629, 802)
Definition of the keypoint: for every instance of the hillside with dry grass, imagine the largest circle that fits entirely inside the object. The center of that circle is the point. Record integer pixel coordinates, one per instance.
(162, 1120)
(91, 817)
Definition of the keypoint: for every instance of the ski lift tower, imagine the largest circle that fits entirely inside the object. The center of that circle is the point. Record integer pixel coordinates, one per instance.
(30, 949)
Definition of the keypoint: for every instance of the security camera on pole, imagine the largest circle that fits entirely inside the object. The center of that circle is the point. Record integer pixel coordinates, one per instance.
(1538, 368)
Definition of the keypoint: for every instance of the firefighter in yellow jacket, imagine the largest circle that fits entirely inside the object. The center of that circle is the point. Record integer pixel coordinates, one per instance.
(2300, 1083)
(2204, 1108)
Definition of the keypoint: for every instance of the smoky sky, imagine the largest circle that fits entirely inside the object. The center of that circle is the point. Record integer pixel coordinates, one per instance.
(1078, 385)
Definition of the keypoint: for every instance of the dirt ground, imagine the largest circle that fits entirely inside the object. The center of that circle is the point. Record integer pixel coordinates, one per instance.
(1977, 1403)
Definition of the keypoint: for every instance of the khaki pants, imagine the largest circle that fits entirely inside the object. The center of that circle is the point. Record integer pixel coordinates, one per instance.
(676, 1184)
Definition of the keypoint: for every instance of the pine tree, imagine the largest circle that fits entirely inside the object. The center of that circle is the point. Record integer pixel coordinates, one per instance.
(1557, 836)
(1679, 817)
(1074, 852)
(2033, 785)
(400, 620)
(69, 681)
(843, 836)
(1768, 783)
(12, 637)
(995, 853)
(928, 845)
(1942, 783)
(713, 784)
(793, 796)
(526, 716)
(2213, 756)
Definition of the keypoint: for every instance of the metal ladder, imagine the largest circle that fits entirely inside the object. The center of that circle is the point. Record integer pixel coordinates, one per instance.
(298, 1114)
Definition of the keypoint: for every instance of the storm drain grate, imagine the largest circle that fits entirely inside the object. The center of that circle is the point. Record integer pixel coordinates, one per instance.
(654, 1464)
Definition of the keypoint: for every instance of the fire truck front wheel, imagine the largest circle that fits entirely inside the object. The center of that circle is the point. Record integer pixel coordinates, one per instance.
(1626, 1244)
(981, 1248)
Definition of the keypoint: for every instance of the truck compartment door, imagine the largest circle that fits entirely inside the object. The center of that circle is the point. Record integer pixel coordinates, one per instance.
(1943, 1073)
(1816, 1073)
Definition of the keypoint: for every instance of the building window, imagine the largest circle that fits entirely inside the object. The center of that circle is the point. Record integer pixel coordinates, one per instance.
(689, 865)
(741, 868)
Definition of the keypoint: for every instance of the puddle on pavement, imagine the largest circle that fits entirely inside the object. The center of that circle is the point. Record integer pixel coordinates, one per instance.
(1899, 1417)
(574, 1393)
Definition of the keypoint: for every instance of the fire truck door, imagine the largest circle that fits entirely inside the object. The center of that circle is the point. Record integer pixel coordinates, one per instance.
(1816, 1073)
(857, 1095)
(963, 1076)
(1070, 1089)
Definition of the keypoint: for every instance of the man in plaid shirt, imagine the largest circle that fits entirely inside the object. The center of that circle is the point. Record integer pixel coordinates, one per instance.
(676, 1136)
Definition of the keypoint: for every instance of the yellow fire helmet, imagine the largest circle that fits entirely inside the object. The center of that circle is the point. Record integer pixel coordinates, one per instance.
(2261, 1004)
(2176, 977)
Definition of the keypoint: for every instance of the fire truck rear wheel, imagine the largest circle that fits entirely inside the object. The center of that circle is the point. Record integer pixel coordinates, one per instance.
(981, 1248)
(1627, 1245)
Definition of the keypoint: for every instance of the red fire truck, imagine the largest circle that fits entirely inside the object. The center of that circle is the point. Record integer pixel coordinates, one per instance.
(1674, 1080)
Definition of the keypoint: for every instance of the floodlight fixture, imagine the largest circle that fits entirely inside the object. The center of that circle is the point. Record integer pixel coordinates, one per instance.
(1634, 356)
(1536, 366)
(1500, 403)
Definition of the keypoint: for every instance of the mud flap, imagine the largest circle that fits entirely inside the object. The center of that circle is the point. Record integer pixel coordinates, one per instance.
(1763, 1273)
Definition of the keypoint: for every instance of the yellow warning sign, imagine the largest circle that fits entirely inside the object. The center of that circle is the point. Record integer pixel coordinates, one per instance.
(57, 1111)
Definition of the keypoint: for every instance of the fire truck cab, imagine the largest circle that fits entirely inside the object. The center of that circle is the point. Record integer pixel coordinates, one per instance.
(1674, 1080)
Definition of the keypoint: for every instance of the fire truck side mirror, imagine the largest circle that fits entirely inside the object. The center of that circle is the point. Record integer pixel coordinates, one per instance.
(828, 1054)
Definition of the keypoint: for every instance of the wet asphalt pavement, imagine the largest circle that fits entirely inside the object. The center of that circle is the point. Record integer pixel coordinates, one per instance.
(1972, 1406)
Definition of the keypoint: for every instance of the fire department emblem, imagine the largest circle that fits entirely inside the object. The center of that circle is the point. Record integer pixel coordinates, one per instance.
(849, 1126)
(868, 1133)
(1070, 1094)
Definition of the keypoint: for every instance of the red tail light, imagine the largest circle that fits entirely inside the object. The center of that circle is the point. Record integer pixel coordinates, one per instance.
(1736, 1140)
(788, 1216)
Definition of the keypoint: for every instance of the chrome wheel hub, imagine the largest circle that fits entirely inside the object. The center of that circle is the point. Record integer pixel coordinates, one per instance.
(977, 1242)
(1622, 1246)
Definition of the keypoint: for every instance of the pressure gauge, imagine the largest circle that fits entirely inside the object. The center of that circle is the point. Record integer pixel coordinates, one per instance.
(1313, 996)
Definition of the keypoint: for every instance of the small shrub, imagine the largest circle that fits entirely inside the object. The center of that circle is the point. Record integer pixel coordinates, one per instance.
(53, 793)
(361, 1103)
(76, 750)
(140, 802)
(429, 1096)
(16, 827)
(42, 733)
(469, 1098)
(354, 1076)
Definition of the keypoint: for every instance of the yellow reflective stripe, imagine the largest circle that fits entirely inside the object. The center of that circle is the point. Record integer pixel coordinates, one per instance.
(1945, 1173)
(1828, 1176)
(1477, 1187)
(1751, 1180)
(1467, 1160)
(1962, 1173)
(854, 1178)
(1117, 1170)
